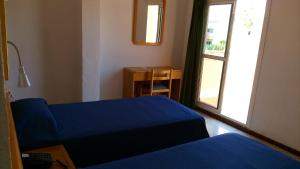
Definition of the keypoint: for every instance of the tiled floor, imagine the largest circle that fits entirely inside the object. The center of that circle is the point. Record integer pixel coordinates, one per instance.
(216, 127)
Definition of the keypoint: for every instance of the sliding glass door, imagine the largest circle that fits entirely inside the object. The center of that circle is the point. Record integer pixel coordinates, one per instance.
(230, 57)
(215, 55)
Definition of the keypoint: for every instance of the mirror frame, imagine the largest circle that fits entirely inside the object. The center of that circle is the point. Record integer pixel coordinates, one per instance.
(135, 5)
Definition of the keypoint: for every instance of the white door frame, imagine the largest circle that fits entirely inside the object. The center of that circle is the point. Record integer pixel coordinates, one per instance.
(259, 62)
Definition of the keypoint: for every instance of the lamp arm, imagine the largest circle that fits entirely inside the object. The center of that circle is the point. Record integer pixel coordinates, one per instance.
(23, 79)
(18, 53)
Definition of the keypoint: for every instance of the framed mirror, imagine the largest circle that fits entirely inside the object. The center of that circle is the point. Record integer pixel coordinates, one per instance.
(148, 22)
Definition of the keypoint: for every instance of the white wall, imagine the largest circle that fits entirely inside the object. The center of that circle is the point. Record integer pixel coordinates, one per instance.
(184, 11)
(25, 29)
(277, 111)
(117, 50)
(48, 34)
(90, 50)
(63, 50)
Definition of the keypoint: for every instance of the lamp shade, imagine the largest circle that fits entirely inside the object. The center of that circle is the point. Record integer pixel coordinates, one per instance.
(23, 79)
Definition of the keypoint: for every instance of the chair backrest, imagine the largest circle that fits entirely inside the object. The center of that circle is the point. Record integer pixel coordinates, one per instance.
(161, 74)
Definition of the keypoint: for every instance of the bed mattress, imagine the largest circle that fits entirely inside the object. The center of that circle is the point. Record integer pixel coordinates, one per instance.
(228, 151)
(103, 131)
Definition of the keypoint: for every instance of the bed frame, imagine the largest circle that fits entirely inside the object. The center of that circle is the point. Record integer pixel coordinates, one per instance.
(14, 151)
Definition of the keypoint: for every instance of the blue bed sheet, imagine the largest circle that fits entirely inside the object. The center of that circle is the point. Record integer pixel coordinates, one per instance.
(229, 151)
(102, 131)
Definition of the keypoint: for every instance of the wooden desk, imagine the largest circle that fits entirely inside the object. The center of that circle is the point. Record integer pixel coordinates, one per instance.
(134, 76)
(57, 153)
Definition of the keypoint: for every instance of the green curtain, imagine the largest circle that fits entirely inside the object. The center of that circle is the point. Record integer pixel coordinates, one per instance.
(193, 54)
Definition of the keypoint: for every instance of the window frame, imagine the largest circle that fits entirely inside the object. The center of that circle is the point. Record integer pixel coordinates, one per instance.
(223, 59)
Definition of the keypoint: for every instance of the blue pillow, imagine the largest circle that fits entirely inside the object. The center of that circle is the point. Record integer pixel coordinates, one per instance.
(35, 124)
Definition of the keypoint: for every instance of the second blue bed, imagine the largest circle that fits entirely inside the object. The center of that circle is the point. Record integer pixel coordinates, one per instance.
(228, 151)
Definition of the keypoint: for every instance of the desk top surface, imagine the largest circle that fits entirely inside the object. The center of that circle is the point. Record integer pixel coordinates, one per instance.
(148, 69)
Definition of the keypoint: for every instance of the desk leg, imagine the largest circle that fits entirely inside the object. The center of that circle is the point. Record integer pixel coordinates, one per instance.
(128, 85)
(176, 86)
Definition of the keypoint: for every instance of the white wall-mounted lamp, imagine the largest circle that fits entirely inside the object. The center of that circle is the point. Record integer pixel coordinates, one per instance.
(23, 78)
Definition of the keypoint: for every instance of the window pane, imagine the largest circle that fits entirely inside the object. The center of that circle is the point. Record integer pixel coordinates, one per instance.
(217, 30)
(211, 81)
(152, 23)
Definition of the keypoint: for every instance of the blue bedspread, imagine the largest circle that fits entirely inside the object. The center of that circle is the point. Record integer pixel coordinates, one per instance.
(102, 131)
(229, 151)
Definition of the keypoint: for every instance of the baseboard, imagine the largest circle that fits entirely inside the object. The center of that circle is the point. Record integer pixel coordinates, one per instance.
(250, 132)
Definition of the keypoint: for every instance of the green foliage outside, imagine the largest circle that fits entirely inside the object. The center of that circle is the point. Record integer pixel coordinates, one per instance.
(216, 47)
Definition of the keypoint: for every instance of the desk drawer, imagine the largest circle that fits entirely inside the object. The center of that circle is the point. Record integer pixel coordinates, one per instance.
(176, 74)
(141, 76)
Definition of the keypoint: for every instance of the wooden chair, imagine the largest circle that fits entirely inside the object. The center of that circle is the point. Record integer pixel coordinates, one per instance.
(161, 82)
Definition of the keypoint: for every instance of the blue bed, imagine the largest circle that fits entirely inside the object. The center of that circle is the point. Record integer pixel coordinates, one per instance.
(102, 131)
(228, 151)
